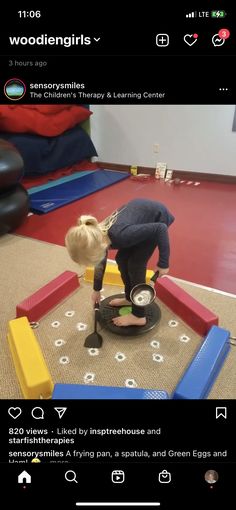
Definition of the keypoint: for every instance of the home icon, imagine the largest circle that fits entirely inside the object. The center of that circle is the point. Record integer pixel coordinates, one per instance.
(24, 477)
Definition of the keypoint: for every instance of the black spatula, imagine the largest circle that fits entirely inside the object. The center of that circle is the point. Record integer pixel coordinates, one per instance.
(94, 340)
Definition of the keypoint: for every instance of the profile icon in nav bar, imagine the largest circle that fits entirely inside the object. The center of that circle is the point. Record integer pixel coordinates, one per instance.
(211, 476)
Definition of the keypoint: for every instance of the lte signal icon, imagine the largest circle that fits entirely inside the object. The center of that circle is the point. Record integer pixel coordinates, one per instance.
(191, 14)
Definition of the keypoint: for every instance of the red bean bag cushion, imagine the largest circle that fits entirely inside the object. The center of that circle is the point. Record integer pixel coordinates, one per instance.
(44, 120)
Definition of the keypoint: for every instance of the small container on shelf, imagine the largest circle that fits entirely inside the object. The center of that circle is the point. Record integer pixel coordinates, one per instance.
(134, 170)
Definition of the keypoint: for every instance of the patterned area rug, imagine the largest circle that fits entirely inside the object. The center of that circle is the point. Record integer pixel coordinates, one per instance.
(155, 360)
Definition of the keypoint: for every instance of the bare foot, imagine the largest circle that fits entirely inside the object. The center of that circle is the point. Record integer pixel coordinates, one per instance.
(120, 302)
(129, 320)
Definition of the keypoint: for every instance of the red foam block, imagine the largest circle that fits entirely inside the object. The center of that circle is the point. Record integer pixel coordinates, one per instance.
(197, 316)
(42, 301)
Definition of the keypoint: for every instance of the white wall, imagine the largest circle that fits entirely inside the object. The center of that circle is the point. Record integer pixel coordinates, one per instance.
(196, 138)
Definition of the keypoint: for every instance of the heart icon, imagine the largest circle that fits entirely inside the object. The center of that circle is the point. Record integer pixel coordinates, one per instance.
(14, 412)
(190, 39)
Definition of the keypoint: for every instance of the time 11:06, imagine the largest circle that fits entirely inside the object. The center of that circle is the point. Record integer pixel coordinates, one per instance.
(29, 14)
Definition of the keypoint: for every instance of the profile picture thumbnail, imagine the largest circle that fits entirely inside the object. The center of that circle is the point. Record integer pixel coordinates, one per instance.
(211, 476)
(14, 89)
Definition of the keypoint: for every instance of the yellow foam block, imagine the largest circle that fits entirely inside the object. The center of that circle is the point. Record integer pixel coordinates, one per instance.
(31, 369)
(112, 275)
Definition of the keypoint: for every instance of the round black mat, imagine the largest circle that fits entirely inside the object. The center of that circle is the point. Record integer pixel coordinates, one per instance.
(152, 313)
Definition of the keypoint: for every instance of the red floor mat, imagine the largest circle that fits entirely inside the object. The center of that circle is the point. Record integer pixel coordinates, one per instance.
(203, 236)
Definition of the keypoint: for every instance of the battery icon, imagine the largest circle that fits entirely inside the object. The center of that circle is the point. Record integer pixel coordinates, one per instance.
(218, 14)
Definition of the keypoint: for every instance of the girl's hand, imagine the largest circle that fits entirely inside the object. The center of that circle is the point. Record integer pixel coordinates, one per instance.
(96, 296)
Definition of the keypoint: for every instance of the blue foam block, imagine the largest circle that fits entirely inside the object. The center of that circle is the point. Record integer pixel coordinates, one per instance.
(205, 366)
(67, 192)
(55, 182)
(87, 392)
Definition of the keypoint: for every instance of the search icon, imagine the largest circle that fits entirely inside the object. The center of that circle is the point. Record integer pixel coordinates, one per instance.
(70, 476)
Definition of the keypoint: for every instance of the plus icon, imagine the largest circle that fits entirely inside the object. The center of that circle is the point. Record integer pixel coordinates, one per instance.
(162, 40)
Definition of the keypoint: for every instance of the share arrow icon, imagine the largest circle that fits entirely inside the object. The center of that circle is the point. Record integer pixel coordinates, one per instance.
(61, 411)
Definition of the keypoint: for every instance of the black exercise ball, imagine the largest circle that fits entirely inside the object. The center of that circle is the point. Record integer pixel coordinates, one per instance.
(11, 165)
(14, 207)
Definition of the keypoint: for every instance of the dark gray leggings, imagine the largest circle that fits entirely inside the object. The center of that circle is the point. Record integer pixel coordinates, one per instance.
(132, 264)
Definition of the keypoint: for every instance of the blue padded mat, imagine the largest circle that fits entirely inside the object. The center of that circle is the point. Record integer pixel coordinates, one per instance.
(205, 366)
(51, 184)
(67, 192)
(84, 392)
